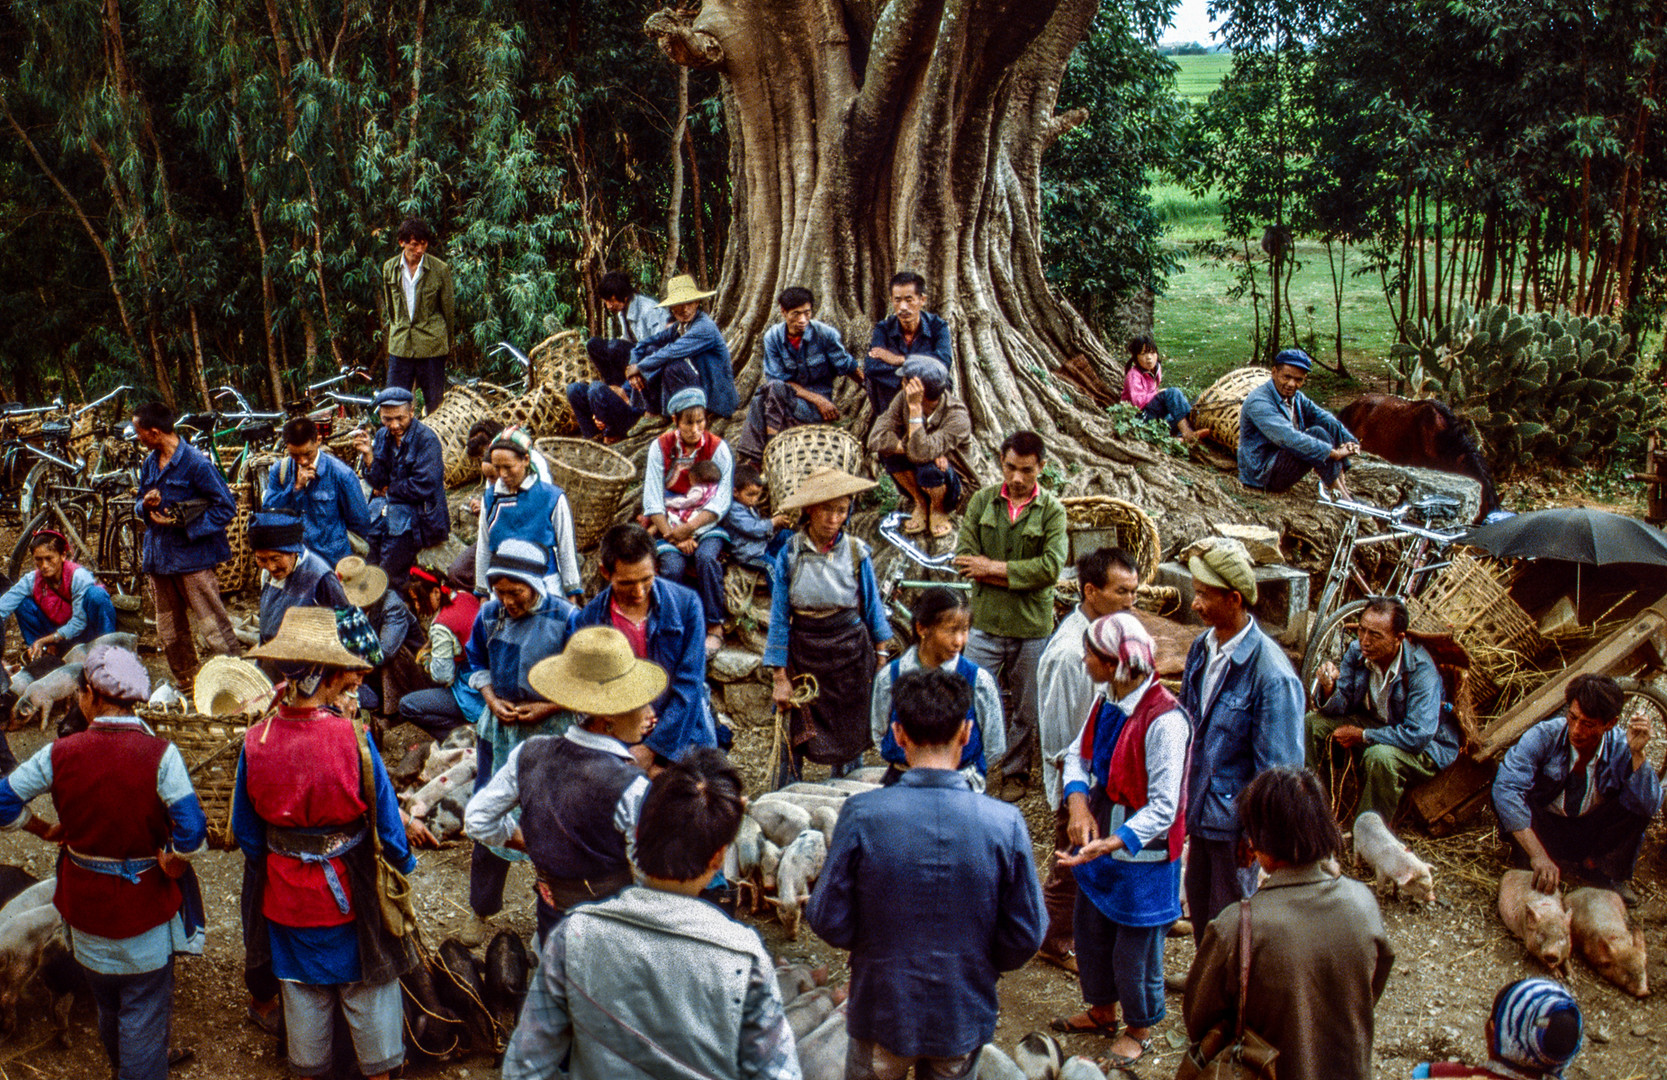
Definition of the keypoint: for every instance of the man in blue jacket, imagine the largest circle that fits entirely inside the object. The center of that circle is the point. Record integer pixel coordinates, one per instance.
(1246, 708)
(1384, 710)
(186, 507)
(802, 357)
(1282, 434)
(664, 624)
(607, 408)
(1576, 793)
(933, 889)
(407, 474)
(690, 352)
(910, 330)
(322, 488)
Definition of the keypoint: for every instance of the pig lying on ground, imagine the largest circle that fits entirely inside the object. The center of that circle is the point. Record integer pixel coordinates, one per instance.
(458, 778)
(32, 897)
(1393, 866)
(822, 1053)
(440, 760)
(1598, 921)
(795, 979)
(1539, 919)
(806, 1012)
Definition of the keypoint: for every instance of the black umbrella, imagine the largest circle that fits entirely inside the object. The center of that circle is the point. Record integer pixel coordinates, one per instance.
(1574, 533)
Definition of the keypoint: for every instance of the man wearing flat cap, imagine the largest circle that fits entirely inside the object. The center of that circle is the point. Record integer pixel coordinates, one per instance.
(1282, 434)
(407, 474)
(923, 439)
(129, 823)
(1246, 707)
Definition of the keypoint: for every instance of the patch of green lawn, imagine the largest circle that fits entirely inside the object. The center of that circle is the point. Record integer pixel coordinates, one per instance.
(1198, 76)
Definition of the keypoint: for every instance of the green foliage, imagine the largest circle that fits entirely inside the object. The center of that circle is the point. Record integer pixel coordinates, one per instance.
(1127, 422)
(1538, 387)
(1101, 237)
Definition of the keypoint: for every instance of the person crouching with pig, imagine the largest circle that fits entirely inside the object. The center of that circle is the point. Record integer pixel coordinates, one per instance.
(654, 981)
(309, 791)
(826, 621)
(578, 793)
(129, 822)
(1124, 795)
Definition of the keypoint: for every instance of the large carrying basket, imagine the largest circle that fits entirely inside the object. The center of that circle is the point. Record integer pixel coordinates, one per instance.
(1134, 531)
(238, 572)
(542, 411)
(797, 452)
(209, 746)
(594, 478)
(1468, 602)
(460, 409)
(1217, 408)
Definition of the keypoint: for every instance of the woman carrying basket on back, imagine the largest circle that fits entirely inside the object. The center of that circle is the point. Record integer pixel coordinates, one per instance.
(827, 621)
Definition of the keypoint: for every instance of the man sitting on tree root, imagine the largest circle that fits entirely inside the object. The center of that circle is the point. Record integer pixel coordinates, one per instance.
(923, 439)
(802, 357)
(1282, 434)
(910, 331)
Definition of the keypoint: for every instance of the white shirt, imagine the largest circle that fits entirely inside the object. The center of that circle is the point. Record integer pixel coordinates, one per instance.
(409, 279)
(1215, 669)
(1377, 686)
(1166, 758)
(1063, 694)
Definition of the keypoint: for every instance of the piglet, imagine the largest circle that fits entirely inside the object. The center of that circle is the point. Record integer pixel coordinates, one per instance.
(994, 1064)
(780, 821)
(795, 979)
(1539, 919)
(769, 861)
(23, 941)
(439, 760)
(46, 695)
(822, 1052)
(806, 1012)
(1038, 1056)
(32, 896)
(1598, 921)
(1080, 1068)
(1393, 866)
(801, 865)
(458, 778)
(823, 819)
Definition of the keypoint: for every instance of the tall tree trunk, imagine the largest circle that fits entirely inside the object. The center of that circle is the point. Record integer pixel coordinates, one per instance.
(699, 206)
(867, 137)
(674, 203)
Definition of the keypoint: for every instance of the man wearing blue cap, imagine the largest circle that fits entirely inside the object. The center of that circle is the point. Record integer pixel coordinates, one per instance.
(1282, 434)
(407, 475)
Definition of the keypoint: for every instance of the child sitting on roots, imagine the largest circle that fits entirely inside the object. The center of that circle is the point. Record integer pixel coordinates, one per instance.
(1143, 388)
(748, 530)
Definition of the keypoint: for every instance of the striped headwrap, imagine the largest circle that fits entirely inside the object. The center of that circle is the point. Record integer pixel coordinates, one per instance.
(1537, 1026)
(1121, 639)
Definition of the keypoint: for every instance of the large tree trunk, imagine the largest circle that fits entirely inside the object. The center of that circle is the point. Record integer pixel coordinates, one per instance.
(868, 137)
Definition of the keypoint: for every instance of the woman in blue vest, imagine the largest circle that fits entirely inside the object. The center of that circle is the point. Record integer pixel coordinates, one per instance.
(520, 506)
(295, 577)
(1123, 788)
(942, 619)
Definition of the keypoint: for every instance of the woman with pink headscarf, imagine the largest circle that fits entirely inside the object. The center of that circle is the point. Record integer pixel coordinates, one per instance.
(1124, 794)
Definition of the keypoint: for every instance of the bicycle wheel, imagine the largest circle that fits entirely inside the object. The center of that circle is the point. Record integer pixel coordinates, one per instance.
(44, 478)
(1645, 699)
(1331, 640)
(123, 555)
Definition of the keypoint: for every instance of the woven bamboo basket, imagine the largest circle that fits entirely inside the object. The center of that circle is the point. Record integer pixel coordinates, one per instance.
(594, 478)
(1217, 408)
(795, 453)
(209, 746)
(460, 409)
(238, 572)
(1135, 532)
(543, 411)
(1469, 602)
(560, 359)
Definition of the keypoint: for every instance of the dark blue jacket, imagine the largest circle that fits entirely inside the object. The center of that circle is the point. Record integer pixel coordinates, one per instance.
(414, 472)
(704, 347)
(933, 340)
(201, 545)
(1254, 722)
(820, 358)
(330, 507)
(934, 891)
(677, 642)
(1265, 428)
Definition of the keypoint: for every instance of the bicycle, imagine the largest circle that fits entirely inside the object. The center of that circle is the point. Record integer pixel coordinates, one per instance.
(102, 508)
(891, 531)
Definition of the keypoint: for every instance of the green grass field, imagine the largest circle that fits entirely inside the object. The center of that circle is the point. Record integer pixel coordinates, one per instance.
(1199, 75)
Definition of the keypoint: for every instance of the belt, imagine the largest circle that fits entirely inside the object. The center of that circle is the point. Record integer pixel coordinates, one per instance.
(847, 614)
(126, 869)
(317, 846)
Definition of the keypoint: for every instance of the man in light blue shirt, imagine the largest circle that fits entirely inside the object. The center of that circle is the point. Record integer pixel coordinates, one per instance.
(607, 408)
(322, 488)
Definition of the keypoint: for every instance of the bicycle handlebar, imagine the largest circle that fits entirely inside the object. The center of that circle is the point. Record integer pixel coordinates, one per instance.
(1395, 519)
(891, 530)
(350, 373)
(91, 405)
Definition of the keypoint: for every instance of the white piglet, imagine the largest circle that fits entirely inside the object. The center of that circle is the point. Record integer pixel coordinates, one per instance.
(801, 865)
(1393, 865)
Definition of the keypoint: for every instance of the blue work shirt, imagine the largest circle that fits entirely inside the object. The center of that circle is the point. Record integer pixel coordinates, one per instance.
(501, 650)
(1266, 428)
(642, 318)
(1535, 770)
(201, 545)
(704, 347)
(331, 505)
(676, 633)
(413, 470)
(813, 366)
(933, 889)
(1415, 721)
(931, 339)
(1252, 722)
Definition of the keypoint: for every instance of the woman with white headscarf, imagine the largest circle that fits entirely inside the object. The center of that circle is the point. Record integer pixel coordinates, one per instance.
(1124, 793)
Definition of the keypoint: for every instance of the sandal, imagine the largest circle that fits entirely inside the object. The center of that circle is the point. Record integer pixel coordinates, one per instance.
(915, 525)
(1066, 961)
(941, 529)
(1069, 1025)
(1118, 1061)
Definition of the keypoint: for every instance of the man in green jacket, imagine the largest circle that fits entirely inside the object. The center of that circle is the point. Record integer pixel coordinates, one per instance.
(419, 310)
(1012, 545)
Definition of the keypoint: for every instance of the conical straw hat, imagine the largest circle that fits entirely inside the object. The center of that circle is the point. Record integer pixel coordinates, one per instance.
(230, 686)
(308, 636)
(824, 483)
(682, 290)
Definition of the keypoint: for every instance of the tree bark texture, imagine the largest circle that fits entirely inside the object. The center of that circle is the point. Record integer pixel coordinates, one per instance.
(871, 136)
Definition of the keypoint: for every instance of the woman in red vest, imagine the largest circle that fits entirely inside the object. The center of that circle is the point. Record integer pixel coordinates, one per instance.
(1124, 793)
(308, 793)
(695, 547)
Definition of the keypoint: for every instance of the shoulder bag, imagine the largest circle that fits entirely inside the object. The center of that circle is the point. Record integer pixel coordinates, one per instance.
(393, 891)
(1235, 1053)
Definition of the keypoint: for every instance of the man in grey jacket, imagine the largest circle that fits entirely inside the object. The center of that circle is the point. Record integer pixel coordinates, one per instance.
(1283, 434)
(607, 408)
(1383, 710)
(654, 981)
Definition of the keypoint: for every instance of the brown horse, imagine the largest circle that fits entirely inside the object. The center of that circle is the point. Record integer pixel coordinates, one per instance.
(1422, 433)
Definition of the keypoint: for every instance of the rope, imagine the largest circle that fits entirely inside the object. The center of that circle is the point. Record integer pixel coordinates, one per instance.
(805, 690)
(1339, 776)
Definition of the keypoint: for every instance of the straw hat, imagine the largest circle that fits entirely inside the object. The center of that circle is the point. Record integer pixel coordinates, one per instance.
(308, 636)
(824, 483)
(363, 583)
(230, 686)
(598, 674)
(682, 290)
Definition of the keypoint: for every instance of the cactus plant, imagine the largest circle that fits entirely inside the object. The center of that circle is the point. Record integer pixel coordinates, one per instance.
(1536, 387)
